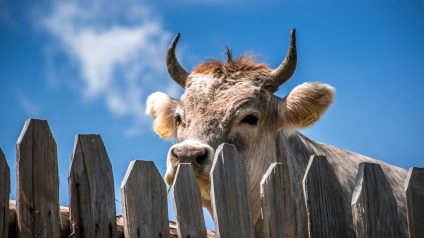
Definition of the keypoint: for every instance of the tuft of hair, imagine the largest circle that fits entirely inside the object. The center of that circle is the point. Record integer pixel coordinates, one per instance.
(229, 54)
(161, 108)
(243, 65)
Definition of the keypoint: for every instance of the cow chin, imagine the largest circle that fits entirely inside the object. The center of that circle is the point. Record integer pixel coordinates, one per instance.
(202, 181)
(202, 175)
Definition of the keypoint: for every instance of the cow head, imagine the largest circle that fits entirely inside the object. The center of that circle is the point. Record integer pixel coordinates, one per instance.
(232, 102)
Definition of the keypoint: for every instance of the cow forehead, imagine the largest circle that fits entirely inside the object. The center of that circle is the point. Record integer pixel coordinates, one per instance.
(219, 95)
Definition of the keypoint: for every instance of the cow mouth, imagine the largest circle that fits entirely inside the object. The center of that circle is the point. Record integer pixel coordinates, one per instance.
(200, 176)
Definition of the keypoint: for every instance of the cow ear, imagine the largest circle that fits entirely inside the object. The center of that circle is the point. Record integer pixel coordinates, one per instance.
(305, 104)
(161, 108)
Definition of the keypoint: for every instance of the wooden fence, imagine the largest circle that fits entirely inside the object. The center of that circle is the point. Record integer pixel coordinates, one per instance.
(144, 200)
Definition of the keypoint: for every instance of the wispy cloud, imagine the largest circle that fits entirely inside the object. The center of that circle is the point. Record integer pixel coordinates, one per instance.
(29, 106)
(118, 51)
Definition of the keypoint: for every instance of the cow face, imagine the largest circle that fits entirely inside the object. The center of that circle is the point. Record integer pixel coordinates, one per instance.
(231, 102)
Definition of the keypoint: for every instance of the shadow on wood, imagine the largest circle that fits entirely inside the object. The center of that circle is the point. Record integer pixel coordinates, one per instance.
(37, 182)
(144, 209)
(374, 207)
(4, 195)
(187, 203)
(230, 194)
(414, 187)
(91, 189)
(324, 201)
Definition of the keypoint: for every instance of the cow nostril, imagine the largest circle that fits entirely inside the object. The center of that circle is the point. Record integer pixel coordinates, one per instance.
(200, 159)
(176, 153)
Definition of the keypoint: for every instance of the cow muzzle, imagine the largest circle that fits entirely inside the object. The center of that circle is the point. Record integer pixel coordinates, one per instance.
(199, 154)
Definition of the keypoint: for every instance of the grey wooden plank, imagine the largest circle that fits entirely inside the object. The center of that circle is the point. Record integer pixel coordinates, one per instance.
(37, 186)
(65, 231)
(187, 203)
(230, 194)
(324, 200)
(4, 195)
(374, 207)
(91, 189)
(144, 201)
(277, 202)
(273, 198)
(414, 187)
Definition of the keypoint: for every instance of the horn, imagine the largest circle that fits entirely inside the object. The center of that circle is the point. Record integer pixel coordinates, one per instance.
(286, 69)
(175, 70)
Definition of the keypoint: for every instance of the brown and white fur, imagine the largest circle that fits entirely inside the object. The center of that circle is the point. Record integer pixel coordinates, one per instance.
(220, 104)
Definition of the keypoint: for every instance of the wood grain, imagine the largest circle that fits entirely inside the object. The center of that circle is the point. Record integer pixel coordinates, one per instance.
(277, 202)
(324, 200)
(144, 202)
(37, 186)
(65, 231)
(414, 187)
(374, 207)
(187, 203)
(91, 189)
(4, 195)
(230, 194)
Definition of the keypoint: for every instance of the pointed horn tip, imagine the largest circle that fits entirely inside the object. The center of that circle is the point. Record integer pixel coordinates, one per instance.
(175, 40)
(293, 39)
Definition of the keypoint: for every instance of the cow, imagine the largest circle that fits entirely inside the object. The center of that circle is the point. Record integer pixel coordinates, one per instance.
(234, 102)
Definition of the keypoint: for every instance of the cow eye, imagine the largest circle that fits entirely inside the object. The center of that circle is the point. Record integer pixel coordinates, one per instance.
(177, 119)
(250, 119)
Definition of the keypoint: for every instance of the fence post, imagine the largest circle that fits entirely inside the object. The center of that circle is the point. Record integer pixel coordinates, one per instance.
(4, 195)
(324, 198)
(37, 187)
(414, 187)
(230, 194)
(374, 207)
(187, 203)
(144, 202)
(91, 190)
(277, 201)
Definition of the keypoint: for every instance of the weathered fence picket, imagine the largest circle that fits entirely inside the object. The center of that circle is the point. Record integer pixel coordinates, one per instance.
(144, 201)
(36, 213)
(91, 189)
(187, 203)
(277, 202)
(37, 185)
(4, 195)
(414, 187)
(374, 207)
(324, 201)
(230, 194)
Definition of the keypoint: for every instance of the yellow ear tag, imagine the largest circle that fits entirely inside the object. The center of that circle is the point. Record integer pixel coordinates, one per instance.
(162, 131)
(308, 120)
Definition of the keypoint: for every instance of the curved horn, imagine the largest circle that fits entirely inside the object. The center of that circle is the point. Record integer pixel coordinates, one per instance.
(177, 72)
(286, 69)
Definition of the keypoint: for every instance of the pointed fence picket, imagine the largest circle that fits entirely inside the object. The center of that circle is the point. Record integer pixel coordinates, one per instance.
(187, 202)
(230, 194)
(37, 183)
(4, 195)
(374, 207)
(275, 197)
(91, 213)
(91, 189)
(324, 200)
(415, 201)
(144, 194)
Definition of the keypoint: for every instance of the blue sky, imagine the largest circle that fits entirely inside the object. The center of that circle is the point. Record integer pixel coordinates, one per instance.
(88, 68)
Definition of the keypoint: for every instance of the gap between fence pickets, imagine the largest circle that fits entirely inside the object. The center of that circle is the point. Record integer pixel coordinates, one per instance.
(65, 229)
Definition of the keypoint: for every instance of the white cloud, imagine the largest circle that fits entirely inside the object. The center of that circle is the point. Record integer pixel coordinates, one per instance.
(119, 58)
(31, 108)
